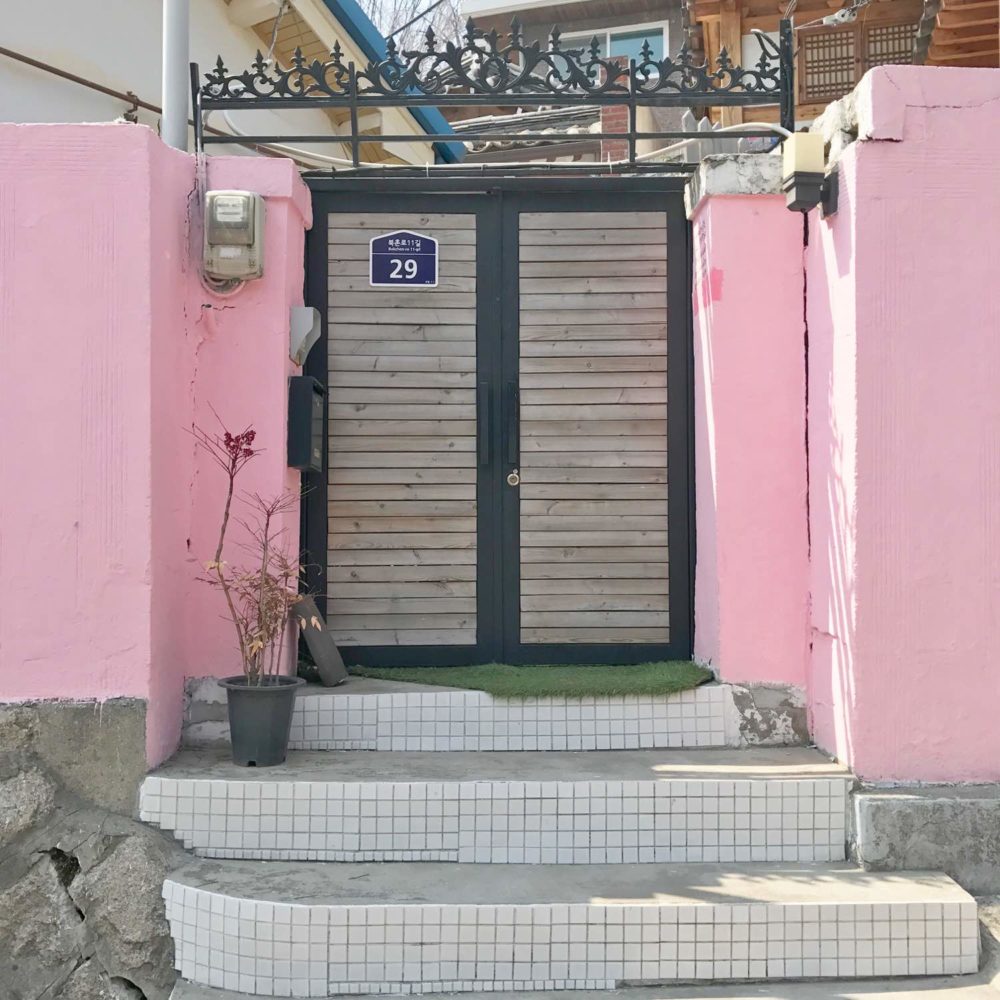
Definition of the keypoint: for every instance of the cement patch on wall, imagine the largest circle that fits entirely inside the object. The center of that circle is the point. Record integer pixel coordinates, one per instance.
(771, 715)
(952, 829)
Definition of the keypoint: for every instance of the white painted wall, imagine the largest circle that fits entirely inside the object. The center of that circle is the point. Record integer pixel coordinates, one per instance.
(117, 43)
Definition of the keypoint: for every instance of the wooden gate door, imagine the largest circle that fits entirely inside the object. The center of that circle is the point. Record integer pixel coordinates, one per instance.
(595, 493)
(508, 460)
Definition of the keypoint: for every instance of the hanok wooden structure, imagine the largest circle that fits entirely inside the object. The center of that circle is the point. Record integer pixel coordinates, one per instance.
(830, 60)
(959, 33)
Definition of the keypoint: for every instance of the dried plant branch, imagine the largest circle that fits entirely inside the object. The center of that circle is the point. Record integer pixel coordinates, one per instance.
(258, 599)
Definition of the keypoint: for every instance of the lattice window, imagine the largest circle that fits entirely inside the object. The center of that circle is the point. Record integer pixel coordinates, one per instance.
(833, 60)
(889, 44)
(828, 65)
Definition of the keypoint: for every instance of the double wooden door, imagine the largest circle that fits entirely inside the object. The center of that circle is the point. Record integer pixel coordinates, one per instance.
(508, 455)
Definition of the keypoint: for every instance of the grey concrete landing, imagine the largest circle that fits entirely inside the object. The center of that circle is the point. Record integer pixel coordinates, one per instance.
(774, 763)
(433, 883)
(948, 988)
(955, 829)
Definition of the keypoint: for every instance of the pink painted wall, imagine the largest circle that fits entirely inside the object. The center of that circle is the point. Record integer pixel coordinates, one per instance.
(112, 350)
(751, 592)
(904, 327)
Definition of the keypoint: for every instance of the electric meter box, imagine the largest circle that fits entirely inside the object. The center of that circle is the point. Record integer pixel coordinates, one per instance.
(234, 235)
(306, 399)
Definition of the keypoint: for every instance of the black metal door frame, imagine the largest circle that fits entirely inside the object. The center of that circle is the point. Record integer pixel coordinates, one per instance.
(497, 203)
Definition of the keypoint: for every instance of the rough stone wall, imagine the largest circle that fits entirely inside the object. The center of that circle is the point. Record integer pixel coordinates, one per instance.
(81, 913)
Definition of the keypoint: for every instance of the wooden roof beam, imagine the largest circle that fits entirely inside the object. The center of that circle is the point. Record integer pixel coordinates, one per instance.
(964, 19)
(948, 53)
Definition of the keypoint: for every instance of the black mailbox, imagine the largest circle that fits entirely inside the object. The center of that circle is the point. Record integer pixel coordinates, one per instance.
(305, 423)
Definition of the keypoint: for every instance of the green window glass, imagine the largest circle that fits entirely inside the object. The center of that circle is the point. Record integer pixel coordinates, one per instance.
(629, 43)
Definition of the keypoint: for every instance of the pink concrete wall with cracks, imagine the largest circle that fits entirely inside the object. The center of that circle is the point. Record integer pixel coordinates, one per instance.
(112, 351)
(904, 328)
(751, 615)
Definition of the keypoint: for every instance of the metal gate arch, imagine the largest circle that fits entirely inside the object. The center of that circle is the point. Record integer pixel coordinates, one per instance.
(497, 203)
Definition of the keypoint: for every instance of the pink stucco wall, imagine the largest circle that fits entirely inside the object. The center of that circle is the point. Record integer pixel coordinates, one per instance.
(751, 588)
(111, 350)
(904, 421)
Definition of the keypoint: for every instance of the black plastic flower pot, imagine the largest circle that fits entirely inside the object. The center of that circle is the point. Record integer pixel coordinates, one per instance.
(260, 718)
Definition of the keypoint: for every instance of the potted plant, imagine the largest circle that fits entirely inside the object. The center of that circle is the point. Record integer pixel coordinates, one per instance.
(258, 597)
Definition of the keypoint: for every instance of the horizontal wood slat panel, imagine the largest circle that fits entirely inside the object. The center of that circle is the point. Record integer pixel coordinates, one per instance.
(404, 637)
(545, 399)
(590, 508)
(350, 590)
(363, 381)
(577, 602)
(396, 443)
(422, 395)
(417, 557)
(340, 362)
(416, 476)
(592, 220)
(592, 619)
(591, 286)
(385, 493)
(412, 466)
(375, 222)
(609, 428)
(606, 300)
(347, 332)
(582, 553)
(593, 585)
(453, 574)
(611, 238)
(402, 446)
(591, 379)
(401, 508)
(434, 412)
(593, 494)
(349, 525)
(401, 605)
(595, 410)
(588, 253)
(588, 268)
(402, 540)
(636, 363)
(595, 635)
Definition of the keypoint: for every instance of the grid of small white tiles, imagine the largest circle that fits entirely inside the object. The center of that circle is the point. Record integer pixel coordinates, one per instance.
(473, 720)
(312, 951)
(520, 822)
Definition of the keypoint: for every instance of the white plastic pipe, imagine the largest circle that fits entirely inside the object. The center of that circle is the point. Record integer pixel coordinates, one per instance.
(176, 74)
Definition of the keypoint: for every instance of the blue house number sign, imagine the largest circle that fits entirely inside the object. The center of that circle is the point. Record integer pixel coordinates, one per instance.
(403, 260)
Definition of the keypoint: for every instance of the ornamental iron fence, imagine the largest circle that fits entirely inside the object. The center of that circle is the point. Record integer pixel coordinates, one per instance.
(486, 69)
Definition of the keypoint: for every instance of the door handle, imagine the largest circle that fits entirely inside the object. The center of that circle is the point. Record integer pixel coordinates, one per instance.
(513, 444)
(485, 400)
(513, 478)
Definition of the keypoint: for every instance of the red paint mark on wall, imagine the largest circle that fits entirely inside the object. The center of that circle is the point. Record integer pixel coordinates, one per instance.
(708, 289)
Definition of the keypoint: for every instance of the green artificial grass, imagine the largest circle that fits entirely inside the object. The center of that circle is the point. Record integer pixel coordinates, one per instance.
(504, 681)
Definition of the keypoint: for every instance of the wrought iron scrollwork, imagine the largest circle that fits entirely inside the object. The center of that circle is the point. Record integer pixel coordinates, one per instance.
(486, 64)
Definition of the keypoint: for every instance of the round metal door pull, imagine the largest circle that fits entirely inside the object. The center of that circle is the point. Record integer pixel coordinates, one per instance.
(513, 479)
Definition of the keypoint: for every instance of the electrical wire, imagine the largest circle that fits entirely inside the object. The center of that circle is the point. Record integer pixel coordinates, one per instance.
(274, 30)
(413, 20)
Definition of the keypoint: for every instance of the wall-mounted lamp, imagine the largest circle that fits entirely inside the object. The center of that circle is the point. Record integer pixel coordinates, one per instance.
(803, 176)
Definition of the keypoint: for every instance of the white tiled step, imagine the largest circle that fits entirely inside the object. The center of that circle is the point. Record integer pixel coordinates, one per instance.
(373, 715)
(936, 988)
(556, 807)
(312, 930)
